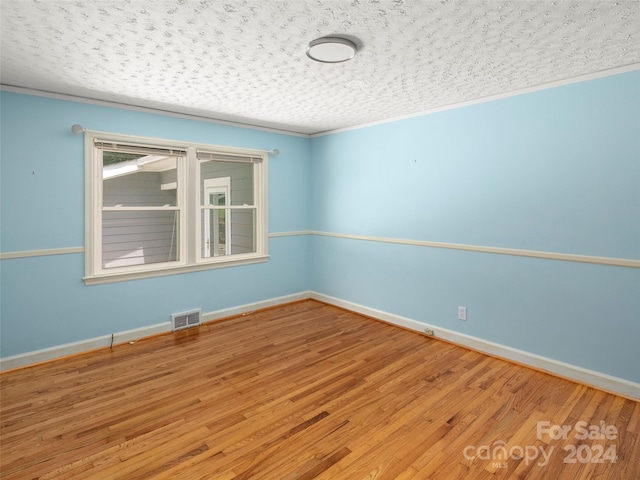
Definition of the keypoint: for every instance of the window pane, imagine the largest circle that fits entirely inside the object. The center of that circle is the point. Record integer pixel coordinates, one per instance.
(215, 240)
(133, 180)
(227, 232)
(243, 231)
(139, 238)
(240, 177)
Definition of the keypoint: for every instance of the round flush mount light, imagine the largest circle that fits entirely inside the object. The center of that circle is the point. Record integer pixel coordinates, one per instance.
(331, 50)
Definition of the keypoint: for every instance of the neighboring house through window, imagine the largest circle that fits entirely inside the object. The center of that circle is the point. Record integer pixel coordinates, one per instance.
(156, 207)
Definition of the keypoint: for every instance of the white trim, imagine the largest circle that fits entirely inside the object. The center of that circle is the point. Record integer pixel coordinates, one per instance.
(104, 103)
(250, 307)
(599, 380)
(81, 346)
(536, 88)
(137, 108)
(171, 143)
(188, 205)
(262, 192)
(94, 208)
(40, 253)
(68, 250)
(618, 262)
(290, 234)
(164, 271)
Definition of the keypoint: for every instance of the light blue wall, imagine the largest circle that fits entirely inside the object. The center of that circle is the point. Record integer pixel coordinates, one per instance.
(555, 170)
(44, 301)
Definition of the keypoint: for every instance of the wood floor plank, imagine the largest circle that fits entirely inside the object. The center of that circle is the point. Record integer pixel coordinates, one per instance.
(301, 391)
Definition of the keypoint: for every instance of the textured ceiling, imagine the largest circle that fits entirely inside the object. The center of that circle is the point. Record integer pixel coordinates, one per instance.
(245, 61)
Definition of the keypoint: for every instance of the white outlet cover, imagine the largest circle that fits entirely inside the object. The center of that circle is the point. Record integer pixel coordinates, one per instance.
(462, 313)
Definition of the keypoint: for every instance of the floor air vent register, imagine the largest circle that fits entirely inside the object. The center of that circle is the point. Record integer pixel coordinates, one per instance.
(180, 321)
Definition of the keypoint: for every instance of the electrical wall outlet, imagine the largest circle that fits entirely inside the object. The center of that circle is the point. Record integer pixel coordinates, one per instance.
(462, 313)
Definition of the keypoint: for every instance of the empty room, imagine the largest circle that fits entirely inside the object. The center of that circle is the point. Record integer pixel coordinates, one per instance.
(320, 239)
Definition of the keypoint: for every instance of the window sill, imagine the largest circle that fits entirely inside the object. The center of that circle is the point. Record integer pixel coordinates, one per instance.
(126, 276)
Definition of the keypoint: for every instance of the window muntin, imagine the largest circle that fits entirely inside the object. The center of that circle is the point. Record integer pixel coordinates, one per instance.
(155, 207)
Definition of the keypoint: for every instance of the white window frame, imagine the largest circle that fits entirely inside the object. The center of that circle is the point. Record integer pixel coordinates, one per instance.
(187, 203)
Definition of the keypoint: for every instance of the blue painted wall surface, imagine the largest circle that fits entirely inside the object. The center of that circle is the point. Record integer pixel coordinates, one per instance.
(555, 170)
(44, 301)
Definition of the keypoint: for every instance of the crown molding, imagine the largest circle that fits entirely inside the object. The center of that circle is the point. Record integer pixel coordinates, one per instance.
(137, 108)
(536, 88)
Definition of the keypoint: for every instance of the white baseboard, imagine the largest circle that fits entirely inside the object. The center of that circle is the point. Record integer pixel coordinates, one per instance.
(599, 380)
(592, 378)
(249, 307)
(38, 356)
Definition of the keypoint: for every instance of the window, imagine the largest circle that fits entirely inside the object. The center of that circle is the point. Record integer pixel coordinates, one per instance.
(156, 207)
(216, 238)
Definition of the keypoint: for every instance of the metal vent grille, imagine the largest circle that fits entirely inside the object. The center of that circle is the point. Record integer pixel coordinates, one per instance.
(185, 319)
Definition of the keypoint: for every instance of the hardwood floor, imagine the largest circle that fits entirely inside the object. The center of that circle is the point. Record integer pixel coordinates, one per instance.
(304, 391)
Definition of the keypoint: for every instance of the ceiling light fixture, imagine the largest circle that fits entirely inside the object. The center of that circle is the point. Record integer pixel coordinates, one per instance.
(331, 50)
